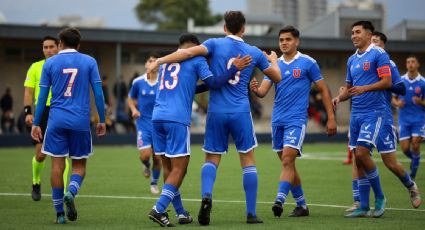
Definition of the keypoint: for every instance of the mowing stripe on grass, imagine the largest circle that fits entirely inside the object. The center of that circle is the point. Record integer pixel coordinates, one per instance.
(198, 200)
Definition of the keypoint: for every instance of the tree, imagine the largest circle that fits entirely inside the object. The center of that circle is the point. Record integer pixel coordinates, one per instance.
(173, 14)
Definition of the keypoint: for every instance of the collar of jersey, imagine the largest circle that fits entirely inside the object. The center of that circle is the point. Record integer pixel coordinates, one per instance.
(367, 50)
(235, 37)
(67, 51)
(417, 78)
(145, 77)
(293, 59)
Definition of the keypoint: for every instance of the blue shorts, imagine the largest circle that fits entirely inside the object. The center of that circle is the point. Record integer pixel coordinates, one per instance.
(220, 125)
(144, 133)
(411, 130)
(365, 128)
(288, 136)
(60, 142)
(171, 139)
(387, 138)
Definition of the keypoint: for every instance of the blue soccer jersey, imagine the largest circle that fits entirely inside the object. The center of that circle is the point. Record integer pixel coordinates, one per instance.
(412, 113)
(396, 79)
(366, 69)
(177, 89)
(292, 93)
(232, 97)
(70, 74)
(145, 94)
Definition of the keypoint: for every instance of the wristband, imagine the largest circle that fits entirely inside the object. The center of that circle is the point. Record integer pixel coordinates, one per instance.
(27, 110)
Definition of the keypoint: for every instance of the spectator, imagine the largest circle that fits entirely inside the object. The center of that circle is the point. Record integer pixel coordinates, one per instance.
(7, 119)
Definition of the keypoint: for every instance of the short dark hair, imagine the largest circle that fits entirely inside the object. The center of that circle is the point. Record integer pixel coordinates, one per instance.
(186, 38)
(234, 21)
(48, 37)
(381, 36)
(367, 25)
(70, 37)
(153, 55)
(290, 29)
(413, 56)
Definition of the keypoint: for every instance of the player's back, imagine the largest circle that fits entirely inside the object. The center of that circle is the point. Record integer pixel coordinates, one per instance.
(70, 74)
(177, 89)
(396, 79)
(233, 96)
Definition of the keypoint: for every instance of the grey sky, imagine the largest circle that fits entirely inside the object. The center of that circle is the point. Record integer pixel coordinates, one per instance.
(120, 14)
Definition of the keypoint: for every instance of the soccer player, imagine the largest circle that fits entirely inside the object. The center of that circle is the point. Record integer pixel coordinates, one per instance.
(411, 117)
(289, 116)
(32, 90)
(171, 122)
(70, 75)
(229, 109)
(368, 76)
(141, 100)
(387, 140)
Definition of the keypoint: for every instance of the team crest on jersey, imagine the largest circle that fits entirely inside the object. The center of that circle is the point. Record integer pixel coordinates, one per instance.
(297, 73)
(418, 90)
(366, 66)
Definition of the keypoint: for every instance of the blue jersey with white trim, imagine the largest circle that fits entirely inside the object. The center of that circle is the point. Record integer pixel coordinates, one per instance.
(233, 96)
(177, 89)
(145, 94)
(70, 75)
(292, 93)
(366, 69)
(411, 112)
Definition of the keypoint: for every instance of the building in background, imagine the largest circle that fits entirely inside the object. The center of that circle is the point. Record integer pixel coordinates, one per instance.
(408, 30)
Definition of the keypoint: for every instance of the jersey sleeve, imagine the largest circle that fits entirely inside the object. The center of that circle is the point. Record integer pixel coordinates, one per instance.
(314, 72)
(383, 65)
(395, 74)
(202, 69)
(210, 45)
(267, 79)
(348, 78)
(262, 62)
(30, 78)
(94, 73)
(46, 80)
(132, 93)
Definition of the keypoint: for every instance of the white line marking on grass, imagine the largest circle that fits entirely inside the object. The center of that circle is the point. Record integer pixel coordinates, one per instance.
(198, 200)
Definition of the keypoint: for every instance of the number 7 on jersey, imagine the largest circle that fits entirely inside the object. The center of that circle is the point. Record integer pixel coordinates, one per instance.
(73, 72)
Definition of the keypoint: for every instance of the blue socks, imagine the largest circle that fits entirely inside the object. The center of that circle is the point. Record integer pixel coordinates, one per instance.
(167, 195)
(75, 184)
(155, 176)
(406, 180)
(364, 190)
(282, 193)
(250, 185)
(408, 154)
(355, 187)
(177, 203)
(208, 175)
(57, 197)
(298, 195)
(415, 164)
(373, 177)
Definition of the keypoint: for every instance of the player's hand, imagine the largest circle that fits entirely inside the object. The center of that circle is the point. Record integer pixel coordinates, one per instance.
(335, 102)
(253, 85)
(36, 133)
(135, 114)
(241, 63)
(152, 66)
(100, 129)
(271, 57)
(356, 90)
(416, 100)
(28, 119)
(331, 127)
(400, 103)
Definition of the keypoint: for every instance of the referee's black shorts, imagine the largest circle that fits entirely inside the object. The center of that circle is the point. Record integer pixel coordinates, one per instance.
(43, 124)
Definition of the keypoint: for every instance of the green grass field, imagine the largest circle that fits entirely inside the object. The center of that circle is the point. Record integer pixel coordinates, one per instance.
(115, 195)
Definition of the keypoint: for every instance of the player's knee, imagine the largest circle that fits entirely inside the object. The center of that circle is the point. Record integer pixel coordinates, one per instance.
(288, 161)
